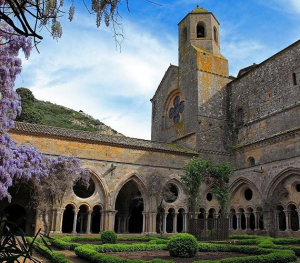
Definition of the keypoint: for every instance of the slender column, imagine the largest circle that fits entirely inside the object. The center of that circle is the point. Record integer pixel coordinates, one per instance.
(298, 211)
(185, 219)
(58, 221)
(75, 211)
(89, 217)
(165, 222)
(238, 219)
(247, 216)
(144, 222)
(126, 223)
(120, 217)
(101, 221)
(287, 219)
(277, 221)
(175, 222)
(256, 216)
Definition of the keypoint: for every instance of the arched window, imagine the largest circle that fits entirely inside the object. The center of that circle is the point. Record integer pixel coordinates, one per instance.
(251, 161)
(184, 35)
(215, 34)
(200, 30)
(240, 116)
(295, 79)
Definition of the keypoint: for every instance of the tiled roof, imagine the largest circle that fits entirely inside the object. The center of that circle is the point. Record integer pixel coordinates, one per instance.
(121, 141)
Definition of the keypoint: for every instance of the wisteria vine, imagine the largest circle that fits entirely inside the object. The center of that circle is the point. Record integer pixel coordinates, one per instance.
(22, 162)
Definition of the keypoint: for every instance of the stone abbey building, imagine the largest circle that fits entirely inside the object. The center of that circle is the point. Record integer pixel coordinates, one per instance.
(251, 121)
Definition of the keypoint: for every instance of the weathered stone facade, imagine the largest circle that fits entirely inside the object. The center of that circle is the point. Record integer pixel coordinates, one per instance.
(198, 110)
(252, 121)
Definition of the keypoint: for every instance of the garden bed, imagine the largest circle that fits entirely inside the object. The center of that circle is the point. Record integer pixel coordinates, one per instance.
(163, 254)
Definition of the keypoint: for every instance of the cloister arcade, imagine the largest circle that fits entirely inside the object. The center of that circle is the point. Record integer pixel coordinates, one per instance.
(131, 209)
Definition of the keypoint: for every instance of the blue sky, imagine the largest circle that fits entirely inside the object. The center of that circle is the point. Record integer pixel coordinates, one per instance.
(84, 71)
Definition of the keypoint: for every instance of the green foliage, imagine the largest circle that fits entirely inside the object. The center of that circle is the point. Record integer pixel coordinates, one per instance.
(41, 112)
(195, 172)
(220, 173)
(44, 250)
(183, 246)
(27, 98)
(260, 254)
(30, 115)
(90, 253)
(64, 244)
(109, 237)
(199, 169)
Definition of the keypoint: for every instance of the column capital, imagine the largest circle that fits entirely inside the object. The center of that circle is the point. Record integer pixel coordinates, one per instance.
(287, 212)
(75, 211)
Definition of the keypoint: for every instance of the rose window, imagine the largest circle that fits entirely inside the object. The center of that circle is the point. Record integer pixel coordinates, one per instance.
(176, 110)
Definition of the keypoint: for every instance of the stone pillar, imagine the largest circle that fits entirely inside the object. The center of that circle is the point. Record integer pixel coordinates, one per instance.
(185, 221)
(238, 221)
(75, 211)
(175, 222)
(287, 219)
(165, 222)
(144, 222)
(126, 219)
(256, 216)
(109, 219)
(298, 211)
(57, 227)
(101, 221)
(120, 218)
(152, 228)
(277, 221)
(89, 217)
(230, 221)
(247, 216)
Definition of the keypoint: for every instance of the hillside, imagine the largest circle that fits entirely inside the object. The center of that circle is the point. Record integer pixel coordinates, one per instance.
(47, 113)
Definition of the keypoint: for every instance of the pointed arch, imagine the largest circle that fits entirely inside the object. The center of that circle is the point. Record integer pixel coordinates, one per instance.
(136, 178)
(279, 178)
(101, 181)
(240, 182)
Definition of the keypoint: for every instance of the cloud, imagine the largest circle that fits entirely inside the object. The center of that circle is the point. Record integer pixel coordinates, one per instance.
(291, 6)
(244, 52)
(84, 71)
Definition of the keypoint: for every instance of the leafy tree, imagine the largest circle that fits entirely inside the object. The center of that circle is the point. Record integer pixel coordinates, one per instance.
(195, 172)
(27, 97)
(198, 170)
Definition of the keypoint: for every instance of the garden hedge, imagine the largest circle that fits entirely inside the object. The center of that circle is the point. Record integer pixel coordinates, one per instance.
(53, 256)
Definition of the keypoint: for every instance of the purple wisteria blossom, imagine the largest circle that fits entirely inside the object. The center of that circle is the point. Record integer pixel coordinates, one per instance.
(23, 162)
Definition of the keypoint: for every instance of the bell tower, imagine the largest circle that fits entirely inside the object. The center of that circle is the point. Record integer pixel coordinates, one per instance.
(201, 29)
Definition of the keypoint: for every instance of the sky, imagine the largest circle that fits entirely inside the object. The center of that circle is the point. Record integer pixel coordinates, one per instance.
(84, 70)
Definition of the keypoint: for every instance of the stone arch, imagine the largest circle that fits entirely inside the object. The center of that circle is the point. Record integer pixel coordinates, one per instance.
(73, 204)
(239, 183)
(276, 181)
(130, 200)
(101, 184)
(200, 29)
(136, 178)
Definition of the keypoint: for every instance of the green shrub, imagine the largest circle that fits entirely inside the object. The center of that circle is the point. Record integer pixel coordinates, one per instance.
(183, 246)
(109, 237)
